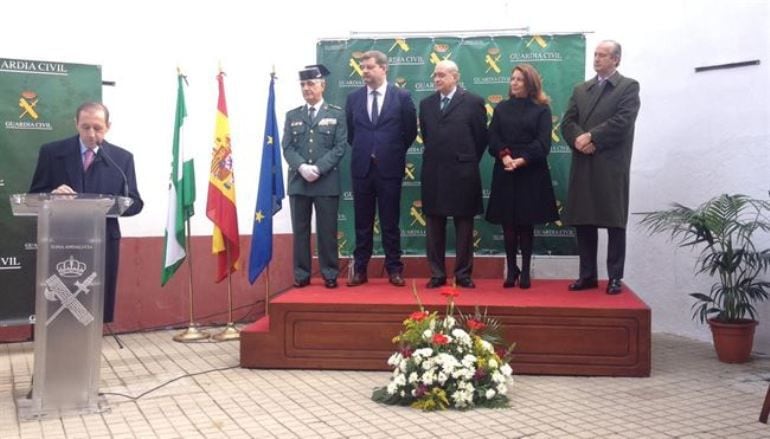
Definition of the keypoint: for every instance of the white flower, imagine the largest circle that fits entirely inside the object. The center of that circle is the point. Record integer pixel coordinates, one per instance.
(432, 324)
(442, 377)
(394, 359)
(490, 393)
(502, 388)
(412, 377)
(487, 346)
(402, 393)
(497, 377)
(462, 337)
(427, 334)
(462, 398)
(428, 377)
(449, 322)
(469, 361)
(392, 388)
(506, 369)
(492, 363)
(400, 380)
(423, 353)
(403, 365)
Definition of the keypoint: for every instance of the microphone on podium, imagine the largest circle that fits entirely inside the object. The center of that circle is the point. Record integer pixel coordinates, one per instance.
(103, 151)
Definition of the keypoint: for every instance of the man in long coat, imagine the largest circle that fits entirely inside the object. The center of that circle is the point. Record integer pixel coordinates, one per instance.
(453, 123)
(599, 127)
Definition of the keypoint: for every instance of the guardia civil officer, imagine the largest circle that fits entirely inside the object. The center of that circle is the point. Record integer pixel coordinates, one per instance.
(314, 141)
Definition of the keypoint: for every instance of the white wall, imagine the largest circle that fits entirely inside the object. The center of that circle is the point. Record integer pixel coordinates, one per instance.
(697, 134)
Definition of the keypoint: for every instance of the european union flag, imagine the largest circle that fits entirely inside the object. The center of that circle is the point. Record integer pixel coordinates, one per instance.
(269, 195)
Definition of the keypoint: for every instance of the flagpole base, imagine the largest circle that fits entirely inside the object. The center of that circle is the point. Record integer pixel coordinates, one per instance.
(192, 333)
(230, 333)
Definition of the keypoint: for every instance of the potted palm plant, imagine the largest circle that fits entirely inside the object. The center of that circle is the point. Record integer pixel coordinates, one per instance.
(724, 229)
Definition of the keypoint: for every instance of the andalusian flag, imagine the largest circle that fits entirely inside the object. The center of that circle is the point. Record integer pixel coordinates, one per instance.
(181, 193)
(220, 207)
(269, 195)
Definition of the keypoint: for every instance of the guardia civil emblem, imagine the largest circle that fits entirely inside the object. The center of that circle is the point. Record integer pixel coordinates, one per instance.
(69, 271)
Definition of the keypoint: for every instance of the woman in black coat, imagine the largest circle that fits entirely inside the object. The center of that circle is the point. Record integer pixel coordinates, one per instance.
(521, 192)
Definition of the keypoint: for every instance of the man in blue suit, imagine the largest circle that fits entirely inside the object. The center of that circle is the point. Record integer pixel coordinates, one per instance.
(382, 124)
(86, 163)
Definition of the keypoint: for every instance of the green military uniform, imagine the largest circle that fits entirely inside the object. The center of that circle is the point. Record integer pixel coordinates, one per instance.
(320, 142)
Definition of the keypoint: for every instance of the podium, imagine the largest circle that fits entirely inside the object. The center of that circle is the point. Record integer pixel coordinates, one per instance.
(69, 301)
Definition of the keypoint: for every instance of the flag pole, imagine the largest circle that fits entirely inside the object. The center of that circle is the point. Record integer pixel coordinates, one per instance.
(230, 332)
(267, 290)
(267, 268)
(192, 333)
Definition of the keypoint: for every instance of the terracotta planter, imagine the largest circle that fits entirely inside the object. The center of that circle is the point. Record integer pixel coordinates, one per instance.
(733, 341)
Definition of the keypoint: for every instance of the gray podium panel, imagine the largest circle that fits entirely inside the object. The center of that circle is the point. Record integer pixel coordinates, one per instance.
(69, 301)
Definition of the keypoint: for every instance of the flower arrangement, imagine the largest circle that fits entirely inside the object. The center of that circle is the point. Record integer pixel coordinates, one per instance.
(448, 362)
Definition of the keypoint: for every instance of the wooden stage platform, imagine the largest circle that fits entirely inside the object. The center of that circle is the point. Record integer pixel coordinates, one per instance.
(557, 332)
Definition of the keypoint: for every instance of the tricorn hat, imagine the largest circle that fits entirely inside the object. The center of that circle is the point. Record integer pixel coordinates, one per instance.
(316, 71)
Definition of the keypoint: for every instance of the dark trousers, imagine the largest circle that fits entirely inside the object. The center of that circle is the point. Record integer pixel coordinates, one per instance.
(587, 238)
(376, 194)
(111, 262)
(326, 208)
(435, 245)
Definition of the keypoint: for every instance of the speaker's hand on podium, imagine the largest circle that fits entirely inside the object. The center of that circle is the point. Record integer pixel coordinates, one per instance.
(63, 189)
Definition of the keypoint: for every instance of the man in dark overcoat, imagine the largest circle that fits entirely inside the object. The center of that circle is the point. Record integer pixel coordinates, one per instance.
(599, 127)
(453, 123)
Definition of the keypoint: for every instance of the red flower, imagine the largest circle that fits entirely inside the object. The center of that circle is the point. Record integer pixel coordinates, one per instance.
(440, 339)
(418, 316)
(475, 325)
(449, 292)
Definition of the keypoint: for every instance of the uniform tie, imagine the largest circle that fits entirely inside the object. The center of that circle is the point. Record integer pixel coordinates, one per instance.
(311, 113)
(444, 103)
(88, 158)
(375, 108)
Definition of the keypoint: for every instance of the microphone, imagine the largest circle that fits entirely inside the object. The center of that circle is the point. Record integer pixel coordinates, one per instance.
(102, 149)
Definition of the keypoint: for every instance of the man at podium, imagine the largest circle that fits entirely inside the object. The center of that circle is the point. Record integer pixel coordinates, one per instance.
(86, 163)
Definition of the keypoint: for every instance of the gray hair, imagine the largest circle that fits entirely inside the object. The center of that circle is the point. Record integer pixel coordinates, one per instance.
(617, 51)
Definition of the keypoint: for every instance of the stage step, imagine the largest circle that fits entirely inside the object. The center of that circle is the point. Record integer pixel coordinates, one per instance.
(557, 332)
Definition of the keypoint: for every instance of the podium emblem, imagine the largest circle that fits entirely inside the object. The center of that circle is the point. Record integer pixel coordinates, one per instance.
(56, 290)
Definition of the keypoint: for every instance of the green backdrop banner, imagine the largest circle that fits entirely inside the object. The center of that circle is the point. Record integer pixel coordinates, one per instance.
(485, 66)
(37, 105)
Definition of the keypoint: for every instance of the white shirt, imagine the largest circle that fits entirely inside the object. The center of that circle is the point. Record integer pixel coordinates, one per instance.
(317, 107)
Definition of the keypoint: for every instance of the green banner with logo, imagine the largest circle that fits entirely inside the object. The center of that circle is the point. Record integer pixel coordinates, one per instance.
(485, 66)
(37, 105)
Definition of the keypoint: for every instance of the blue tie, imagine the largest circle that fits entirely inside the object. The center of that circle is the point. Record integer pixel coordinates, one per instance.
(375, 108)
(444, 103)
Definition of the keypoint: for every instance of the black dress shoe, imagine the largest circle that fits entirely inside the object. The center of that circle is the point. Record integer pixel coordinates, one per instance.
(330, 283)
(301, 283)
(465, 282)
(583, 284)
(614, 286)
(396, 280)
(358, 279)
(436, 282)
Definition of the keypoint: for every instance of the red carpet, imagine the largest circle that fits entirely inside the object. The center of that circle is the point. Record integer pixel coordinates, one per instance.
(543, 293)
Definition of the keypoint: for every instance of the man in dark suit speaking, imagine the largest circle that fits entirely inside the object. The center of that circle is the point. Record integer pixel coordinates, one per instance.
(453, 123)
(599, 127)
(382, 124)
(86, 163)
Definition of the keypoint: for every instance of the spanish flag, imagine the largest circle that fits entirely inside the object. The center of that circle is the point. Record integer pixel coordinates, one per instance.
(220, 206)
